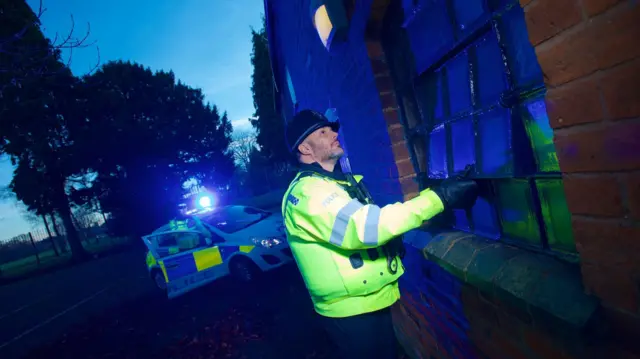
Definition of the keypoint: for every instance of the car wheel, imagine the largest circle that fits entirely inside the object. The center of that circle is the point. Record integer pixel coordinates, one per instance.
(158, 280)
(243, 269)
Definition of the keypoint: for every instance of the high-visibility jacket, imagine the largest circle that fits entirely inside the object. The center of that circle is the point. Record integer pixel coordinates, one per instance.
(338, 242)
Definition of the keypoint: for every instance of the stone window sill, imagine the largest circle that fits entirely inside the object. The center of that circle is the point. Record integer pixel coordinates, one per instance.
(540, 288)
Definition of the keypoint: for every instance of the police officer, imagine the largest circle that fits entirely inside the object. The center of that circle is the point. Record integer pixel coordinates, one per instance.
(345, 246)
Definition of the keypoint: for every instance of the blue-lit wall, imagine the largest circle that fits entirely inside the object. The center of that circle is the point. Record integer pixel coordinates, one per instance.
(342, 79)
(470, 123)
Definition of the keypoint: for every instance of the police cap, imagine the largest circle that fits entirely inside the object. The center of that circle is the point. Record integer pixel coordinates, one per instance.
(303, 124)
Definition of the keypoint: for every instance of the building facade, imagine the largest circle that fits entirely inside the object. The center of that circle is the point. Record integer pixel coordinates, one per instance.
(542, 97)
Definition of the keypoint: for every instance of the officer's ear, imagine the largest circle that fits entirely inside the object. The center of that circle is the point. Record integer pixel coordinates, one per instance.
(304, 148)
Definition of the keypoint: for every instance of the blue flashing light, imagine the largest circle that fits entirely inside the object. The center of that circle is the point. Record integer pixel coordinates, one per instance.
(205, 201)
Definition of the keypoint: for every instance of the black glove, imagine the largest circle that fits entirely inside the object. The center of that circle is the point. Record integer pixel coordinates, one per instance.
(458, 191)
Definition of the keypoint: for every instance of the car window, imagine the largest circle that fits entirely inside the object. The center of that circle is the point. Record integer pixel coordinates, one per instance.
(174, 243)
(215, 238)
(167, 240)
(234, 218)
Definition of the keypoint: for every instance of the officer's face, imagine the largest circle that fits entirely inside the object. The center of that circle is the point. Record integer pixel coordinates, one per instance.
(323, 144)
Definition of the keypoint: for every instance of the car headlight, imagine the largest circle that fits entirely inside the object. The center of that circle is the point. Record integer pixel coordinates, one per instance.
(267, 242)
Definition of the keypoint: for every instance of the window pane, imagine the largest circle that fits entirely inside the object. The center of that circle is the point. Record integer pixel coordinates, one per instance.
(540, 134)
(430, 33)
(459, 83)
(438, 153)
(494, 130)
(521, 57)
(517, 215)
(485, 219)
(468, 11)
(168, 240)
(430, 98)
(556, 215)
(461, 220)
(463, 142)
(438, 107)
(491, 76)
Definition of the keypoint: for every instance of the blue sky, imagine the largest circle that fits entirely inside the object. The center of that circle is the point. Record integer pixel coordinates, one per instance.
(207, 44)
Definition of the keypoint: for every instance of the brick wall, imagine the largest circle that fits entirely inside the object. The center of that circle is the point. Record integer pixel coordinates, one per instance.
(589, 53)
(586, 49)
(344, 80)
(385, 86)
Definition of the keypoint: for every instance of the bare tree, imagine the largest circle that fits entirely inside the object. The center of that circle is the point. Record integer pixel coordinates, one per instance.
(26, 53)
(243, 145)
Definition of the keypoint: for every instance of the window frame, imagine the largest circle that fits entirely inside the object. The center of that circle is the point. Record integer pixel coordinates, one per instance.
(155, 240)
(513, 98)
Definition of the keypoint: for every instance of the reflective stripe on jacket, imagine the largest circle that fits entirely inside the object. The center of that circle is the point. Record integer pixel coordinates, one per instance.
(336, 242)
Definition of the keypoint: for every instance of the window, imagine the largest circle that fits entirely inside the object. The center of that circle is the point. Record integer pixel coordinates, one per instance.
(174, 243)
(479, 95)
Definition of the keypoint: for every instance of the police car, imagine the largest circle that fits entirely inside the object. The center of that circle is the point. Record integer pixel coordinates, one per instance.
(240, 241)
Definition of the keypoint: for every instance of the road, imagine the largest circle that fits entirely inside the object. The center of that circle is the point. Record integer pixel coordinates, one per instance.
(108, 308)
(37, 310)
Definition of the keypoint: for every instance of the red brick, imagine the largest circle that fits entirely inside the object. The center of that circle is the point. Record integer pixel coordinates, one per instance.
(595, 7)
(607, 242)
(543, 346)
(601, 43)
(621, 91)
(409, 185)
(405, 168)
(597, 195)
(409, 196)
(547, 18)
(388, 99)
(384, 83)
(409, 334)
(524, 3)
(486, 347)
(379, 66)
(400, 151)
(574, 103)
(625, 327)
(510, 324)
(391, 116)
(509, 345)
(477, 310)
(613, 285)
(632, 188)
(396, 134)
(616, 36)
(610, 147)
(375, 50)
(568, 57)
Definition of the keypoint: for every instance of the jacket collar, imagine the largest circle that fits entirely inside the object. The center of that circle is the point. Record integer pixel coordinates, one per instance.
(315, 167)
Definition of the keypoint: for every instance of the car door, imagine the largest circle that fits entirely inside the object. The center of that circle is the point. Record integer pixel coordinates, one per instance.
(186, 263)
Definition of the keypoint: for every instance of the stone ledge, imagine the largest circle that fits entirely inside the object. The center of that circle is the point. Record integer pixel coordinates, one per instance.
(540, 287)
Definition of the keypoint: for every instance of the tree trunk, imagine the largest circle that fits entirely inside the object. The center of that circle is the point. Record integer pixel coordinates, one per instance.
(35, 249)
(53, 243)
(59, 238)
(55, 225)
(78, 252)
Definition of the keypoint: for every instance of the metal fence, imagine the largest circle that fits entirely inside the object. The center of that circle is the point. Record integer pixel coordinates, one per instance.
(39, 248)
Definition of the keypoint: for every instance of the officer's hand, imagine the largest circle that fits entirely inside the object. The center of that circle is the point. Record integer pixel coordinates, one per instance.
(456, 193)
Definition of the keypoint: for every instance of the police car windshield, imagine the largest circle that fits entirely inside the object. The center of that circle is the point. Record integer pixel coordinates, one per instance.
(231, 219)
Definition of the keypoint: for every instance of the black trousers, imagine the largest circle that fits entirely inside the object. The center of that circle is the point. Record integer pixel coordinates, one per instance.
(364, 336)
